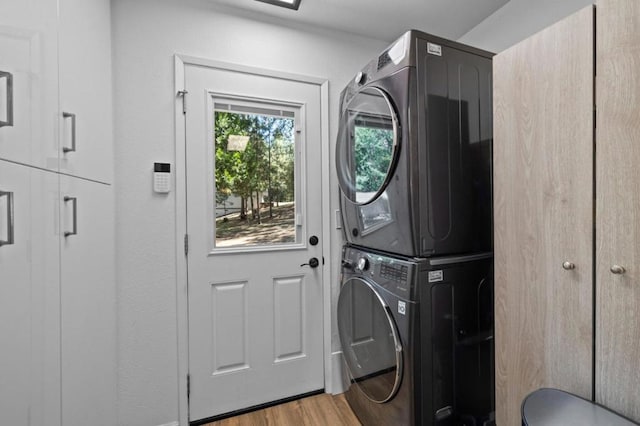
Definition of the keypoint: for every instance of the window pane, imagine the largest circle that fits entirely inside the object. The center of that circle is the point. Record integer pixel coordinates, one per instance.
(254, 176)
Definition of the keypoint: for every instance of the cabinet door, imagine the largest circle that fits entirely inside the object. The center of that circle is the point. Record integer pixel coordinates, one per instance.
(618, 206)
(88, 304)
(29, 297)
(543, 204)
(85, 89)
(29, 82)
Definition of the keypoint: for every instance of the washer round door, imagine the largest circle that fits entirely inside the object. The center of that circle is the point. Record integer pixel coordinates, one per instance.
(366, 148)
(370, 341)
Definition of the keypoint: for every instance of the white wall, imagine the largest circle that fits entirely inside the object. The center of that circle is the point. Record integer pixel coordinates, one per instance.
(146, 35)
(517, 20)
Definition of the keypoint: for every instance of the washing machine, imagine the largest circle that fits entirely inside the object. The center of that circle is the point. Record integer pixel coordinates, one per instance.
(413, 154)
(417, 338)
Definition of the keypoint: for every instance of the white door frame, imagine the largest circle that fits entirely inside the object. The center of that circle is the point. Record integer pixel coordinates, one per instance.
(182, 301)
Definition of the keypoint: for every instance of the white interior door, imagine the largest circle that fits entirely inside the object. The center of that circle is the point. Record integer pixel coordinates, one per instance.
(253, 207)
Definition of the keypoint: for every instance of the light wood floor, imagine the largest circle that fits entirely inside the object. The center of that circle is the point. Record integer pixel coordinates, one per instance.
(323, 409)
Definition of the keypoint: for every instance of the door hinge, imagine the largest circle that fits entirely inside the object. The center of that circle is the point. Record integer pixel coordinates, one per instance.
(188, 385)
(183, 93)
(186, 244)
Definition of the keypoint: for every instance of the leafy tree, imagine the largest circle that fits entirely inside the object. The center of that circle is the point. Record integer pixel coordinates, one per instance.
(373, 149)
(266, 163)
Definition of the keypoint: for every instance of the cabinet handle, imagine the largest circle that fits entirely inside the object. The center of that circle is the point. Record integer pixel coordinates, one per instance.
(74, 200)
(617, 269)
(72, 116)
(569, 266)
(10, 226)
(8, 122)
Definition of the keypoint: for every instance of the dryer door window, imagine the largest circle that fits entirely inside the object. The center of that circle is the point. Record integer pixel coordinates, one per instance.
(366, 146)
(370, 340)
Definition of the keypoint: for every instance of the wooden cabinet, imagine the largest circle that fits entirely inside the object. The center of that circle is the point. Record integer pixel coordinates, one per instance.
(85, 89)
(617, 349)
(566, 149)
(29, 297)
(29, 82)
(87, 303)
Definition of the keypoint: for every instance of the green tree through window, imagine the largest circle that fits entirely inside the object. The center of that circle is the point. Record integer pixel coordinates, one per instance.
(261, 172)
(373, 150)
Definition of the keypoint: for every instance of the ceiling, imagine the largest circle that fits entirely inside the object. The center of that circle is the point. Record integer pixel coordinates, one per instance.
(381, 19)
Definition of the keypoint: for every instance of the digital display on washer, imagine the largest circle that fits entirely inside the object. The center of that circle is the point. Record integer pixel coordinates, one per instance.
(392, 272)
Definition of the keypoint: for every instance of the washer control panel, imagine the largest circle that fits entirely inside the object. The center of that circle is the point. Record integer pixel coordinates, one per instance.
(392, 273)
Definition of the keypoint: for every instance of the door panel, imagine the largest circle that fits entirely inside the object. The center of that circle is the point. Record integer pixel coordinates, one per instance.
(618, 204)
(289, 317)
(543, 204)
(85, 89)
(88, 303)
(230, 338)
(28, 53)
(255, 312)
(29, 297)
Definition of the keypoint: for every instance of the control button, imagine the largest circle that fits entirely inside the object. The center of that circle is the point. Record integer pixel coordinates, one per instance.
(360, 78)
(363, 264)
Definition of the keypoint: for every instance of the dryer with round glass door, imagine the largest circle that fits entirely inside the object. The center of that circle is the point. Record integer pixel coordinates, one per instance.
(413, 153)
(417, 338)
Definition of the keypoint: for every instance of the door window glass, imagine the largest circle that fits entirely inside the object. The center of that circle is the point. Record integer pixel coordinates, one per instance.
(254, 174)
(366, 145)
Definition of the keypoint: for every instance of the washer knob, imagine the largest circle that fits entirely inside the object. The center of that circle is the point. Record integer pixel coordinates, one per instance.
(360, 78)
(363, 264)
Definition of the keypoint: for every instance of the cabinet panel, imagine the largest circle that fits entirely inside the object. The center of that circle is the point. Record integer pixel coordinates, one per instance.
(543, 204)
(29, 297)
(88, 304)
(85, 89)
(29, 82)
(618, 206)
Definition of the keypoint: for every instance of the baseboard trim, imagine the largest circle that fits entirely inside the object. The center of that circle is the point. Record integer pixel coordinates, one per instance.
(339, 376)
(170, 424)
(254, 408)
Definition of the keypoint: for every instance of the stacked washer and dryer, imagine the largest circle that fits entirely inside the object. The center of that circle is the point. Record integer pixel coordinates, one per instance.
(415, 311)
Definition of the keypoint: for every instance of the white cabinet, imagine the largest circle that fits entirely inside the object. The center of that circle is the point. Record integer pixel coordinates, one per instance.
(57, 286)
(29, 82)
(85, 89)
(29, 297)
(88, 303)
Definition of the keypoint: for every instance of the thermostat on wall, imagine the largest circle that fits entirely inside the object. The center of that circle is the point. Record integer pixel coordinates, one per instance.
(162, 177)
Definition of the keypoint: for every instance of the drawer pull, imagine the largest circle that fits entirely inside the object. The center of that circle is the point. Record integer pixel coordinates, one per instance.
(8, 121)
(72, 116)
(10, 225)
(74, 200)
(617, 269)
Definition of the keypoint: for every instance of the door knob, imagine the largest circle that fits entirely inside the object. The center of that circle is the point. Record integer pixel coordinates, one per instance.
(568, 266)
(313, 263)
(617, 269)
